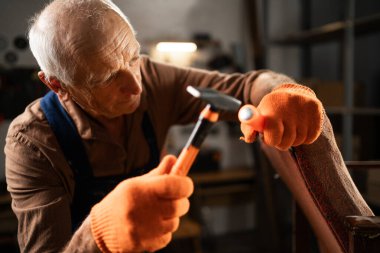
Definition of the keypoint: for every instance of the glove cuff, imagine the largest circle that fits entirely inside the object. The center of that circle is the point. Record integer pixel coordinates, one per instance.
(101, 220)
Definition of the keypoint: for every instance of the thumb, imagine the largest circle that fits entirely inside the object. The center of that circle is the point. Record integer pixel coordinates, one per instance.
(165, 166)
(248, 132)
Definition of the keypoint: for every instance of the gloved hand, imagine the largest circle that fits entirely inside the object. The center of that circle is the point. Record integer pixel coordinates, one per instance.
(141, 213)
(292, 115)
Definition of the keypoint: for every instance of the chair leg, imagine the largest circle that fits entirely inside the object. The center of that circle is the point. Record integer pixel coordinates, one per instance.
(301, 231)
(266, 213)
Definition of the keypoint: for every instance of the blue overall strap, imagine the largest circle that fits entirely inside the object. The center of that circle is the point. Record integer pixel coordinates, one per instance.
(67, 135)
(88, 189)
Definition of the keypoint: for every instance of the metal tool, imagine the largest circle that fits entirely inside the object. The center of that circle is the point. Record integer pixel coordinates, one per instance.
(216, 102)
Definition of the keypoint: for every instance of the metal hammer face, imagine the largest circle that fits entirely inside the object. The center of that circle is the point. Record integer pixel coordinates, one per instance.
(217, 99)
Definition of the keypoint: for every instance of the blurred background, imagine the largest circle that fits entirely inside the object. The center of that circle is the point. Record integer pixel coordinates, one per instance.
(239, 204)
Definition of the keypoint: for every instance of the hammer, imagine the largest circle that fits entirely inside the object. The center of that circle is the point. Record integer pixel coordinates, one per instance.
(216, 102)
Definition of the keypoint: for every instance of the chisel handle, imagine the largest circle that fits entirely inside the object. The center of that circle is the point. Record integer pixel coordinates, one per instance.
(249, 115)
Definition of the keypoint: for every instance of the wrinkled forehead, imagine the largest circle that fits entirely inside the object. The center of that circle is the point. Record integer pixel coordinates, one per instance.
(112, 38)
(96, 31)
(100, 51)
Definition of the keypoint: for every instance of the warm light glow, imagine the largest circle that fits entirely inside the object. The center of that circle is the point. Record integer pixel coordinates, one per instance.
(180, 47)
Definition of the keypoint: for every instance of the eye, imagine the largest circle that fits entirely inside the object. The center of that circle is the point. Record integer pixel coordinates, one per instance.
(134, 60)
(113, 76)
(110, 79)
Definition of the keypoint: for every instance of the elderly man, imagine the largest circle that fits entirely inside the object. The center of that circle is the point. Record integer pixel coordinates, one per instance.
(80, 161)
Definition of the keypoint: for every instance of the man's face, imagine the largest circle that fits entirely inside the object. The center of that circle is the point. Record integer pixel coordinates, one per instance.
(113, 62)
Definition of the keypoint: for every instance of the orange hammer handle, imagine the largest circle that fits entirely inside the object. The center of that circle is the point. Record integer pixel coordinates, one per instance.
(184, 161)
(249, 115)
(188, 154)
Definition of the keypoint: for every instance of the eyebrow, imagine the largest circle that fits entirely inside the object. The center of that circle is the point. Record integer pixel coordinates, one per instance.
(137, 51)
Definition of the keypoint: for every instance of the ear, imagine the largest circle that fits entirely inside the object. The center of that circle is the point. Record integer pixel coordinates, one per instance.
(51, 83)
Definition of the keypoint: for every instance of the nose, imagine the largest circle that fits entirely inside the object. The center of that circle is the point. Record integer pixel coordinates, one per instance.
(130, 82)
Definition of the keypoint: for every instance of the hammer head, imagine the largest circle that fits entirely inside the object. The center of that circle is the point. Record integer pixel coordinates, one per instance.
(217, 99)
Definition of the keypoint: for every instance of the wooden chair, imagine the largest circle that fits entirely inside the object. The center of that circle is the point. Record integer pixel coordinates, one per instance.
(323, 189)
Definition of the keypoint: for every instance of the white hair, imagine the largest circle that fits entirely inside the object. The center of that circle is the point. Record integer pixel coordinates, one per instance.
(48, 41)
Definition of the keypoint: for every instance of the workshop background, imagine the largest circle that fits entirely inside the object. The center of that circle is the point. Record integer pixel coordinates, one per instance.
(237, 206)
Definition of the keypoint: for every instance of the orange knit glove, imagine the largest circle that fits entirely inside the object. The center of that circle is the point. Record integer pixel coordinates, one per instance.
(141, 213)
(292, 115)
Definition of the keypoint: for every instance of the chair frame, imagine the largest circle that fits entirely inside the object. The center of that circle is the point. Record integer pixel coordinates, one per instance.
(324, 191)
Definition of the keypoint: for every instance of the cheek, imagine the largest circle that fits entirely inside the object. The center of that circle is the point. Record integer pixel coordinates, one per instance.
(105, 97)
(81, 96)
(98, 98)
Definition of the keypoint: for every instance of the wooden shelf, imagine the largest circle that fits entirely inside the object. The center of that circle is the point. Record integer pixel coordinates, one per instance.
(363, 164)
(223, 176)
(224, 187)
(332, 31)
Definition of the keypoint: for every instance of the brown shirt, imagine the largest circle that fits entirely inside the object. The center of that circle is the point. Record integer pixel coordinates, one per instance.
(40, 180)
